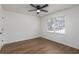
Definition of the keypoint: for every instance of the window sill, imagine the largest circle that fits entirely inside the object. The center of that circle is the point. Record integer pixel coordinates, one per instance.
(54, 32)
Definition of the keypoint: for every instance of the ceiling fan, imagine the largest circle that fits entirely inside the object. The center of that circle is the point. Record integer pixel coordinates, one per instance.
(39, 8)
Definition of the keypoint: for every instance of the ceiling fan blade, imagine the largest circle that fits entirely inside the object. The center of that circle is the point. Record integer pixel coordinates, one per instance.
(33, 5)
(44, 10)
(44, 6)
(32, 10)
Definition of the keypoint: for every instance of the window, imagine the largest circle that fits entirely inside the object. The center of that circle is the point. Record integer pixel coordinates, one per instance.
(56, 24)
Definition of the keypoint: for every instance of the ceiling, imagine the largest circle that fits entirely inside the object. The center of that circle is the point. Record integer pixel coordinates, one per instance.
(23, 8)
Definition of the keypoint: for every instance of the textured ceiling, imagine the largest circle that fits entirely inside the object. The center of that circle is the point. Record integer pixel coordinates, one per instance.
(23, 8)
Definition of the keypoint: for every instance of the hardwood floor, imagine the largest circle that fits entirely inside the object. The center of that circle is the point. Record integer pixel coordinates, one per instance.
(37, 46)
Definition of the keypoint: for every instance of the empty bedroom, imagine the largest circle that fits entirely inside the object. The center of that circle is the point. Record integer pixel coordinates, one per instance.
(39, 29)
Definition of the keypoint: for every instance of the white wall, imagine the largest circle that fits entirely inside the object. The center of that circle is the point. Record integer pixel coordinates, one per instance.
(1, 26)
(19, 27)
(71, 37)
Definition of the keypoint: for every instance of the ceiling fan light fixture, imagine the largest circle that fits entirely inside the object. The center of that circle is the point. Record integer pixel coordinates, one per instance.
(38, 10)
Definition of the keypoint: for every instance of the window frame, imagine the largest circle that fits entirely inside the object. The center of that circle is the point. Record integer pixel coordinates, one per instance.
(54, 31)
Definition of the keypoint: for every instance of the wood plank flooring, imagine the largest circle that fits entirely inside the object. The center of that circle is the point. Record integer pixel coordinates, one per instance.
(37, 46)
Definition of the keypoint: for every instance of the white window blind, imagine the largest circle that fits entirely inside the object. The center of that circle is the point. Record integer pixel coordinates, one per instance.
(57, 24)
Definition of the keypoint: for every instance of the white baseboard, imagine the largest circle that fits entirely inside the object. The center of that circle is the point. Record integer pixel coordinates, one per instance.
(49, 38)
(60, 42)
(32, 37)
